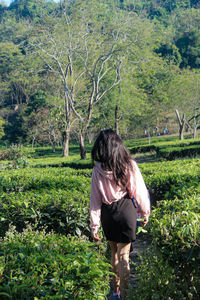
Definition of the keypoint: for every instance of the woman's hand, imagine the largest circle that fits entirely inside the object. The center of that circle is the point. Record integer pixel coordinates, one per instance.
(145, 221)
(96, 237)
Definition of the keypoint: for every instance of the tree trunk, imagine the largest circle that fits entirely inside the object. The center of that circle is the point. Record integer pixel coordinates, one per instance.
(33, 141)
(82, 146)
(195, 133)
(83, 133)
(195, 129)
(54, 147)
(116, 119)
(66, 135)
(149, 138)
(181, 130)
(181, 124)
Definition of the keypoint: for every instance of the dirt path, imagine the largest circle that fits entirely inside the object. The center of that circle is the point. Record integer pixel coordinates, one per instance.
(140, 247)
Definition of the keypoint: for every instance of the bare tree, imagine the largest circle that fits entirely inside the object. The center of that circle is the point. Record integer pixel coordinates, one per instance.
(185, 94)
(181, 121)
(96, 72)
(100, 57)
(87, 55)
(87, 63)
(196, 121)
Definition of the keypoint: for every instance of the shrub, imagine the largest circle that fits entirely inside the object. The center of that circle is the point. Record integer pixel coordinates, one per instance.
(18, 164)
(15, 152)
(179, 152)
(143, 149)
(168, 180)
(175, 232)
(39, 179)
(36, 265)
(158, 279)
(169, 150)
(65, 212)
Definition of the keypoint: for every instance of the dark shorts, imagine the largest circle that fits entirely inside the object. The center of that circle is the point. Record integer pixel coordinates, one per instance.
(119, 221)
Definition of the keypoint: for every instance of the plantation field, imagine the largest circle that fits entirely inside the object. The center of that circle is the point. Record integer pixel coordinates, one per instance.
(46, 251)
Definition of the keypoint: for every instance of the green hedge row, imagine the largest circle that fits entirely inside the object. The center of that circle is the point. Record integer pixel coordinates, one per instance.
(179, 152)
(38, 179)
(175, 229)
(36, 265)
(143, 149)
(58, 199)
(52, 199)
(167, 180)
(171, 270)
(64, 212)
(170, 150)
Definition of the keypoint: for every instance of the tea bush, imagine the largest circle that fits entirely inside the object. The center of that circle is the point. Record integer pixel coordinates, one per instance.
(172, 153)
(175, 229)
(38, 179)
(143, 149)
(49, 195)
(167, 180)
(54, 198)
(170, 269)
(15, 152)
(157, 279)
(65, 212)
(170, 150)
(36, 265)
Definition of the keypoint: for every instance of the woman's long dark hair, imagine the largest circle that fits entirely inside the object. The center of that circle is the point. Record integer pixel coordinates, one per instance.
(109, 150)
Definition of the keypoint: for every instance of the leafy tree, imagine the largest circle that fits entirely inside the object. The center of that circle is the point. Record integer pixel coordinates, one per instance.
(155, 79)
(31, 9)
(10, 59)
(2, 123)
(14, 131)
(185, 21)
(170, 52)
(37, 100)
(42, 127)
(189, 48)
(184, 36)
(70, 38)
(10, 56)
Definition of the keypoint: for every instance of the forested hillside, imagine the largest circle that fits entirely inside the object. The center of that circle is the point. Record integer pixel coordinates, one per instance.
(68, 69)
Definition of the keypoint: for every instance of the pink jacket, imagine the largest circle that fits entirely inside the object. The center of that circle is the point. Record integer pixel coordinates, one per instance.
(105, 190)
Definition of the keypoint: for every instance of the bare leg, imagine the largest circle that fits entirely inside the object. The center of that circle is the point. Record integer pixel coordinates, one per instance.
(115, 266)
(123, 251)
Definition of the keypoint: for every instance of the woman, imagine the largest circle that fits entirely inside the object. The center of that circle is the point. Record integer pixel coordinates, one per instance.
(116, 180)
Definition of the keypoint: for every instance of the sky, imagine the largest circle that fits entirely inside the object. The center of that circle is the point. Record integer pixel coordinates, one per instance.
(9, 1)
